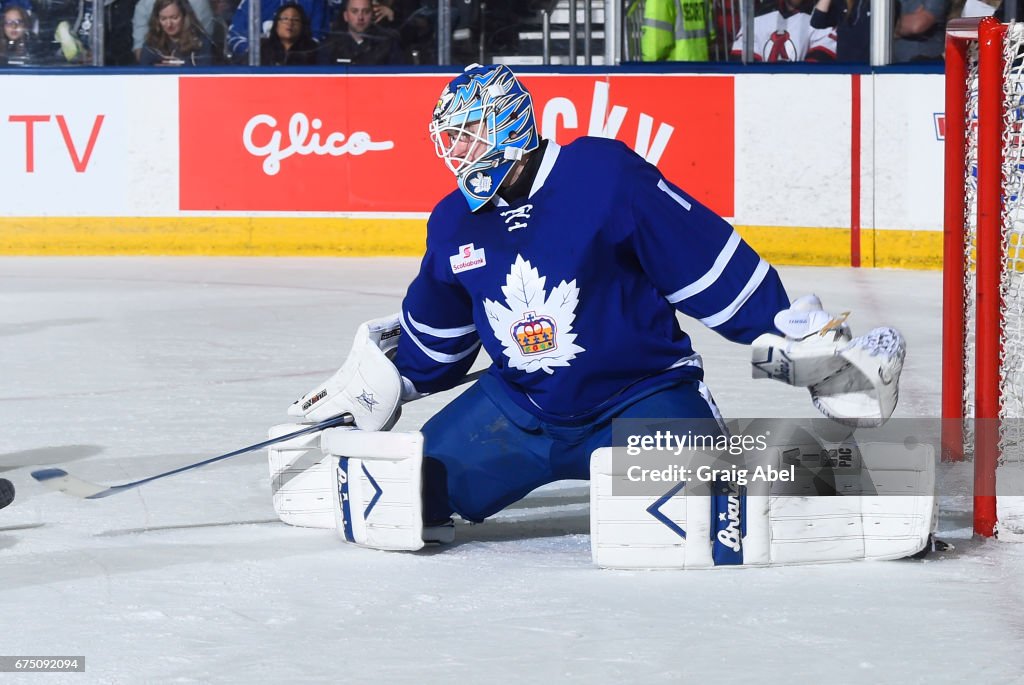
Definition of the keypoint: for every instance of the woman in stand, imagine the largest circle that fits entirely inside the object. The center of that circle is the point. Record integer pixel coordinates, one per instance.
(175, 37)
(291, 39)
(18, 46)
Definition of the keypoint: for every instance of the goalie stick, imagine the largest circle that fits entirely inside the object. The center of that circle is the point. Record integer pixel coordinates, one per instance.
(61, 480)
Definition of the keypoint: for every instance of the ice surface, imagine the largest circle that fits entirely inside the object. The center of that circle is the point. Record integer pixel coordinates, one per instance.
(118, 368)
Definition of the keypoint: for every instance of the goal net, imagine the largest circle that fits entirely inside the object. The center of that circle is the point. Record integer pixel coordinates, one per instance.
(983, 267)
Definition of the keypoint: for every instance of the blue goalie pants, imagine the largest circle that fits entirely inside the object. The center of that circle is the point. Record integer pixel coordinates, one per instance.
(483, 452)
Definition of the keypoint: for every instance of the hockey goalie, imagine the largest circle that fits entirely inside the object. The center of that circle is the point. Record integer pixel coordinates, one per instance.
(567, 265)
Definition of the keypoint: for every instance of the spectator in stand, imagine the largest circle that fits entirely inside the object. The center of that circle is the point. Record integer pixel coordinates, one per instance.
(853, 31)
(852, 19)
(383, 12)
(676, 31)
(357, 40)
(175, 38)
(66, 29)
(19, 46)
(117, 29)
(920, 30)
(144, 11)
(238, 33)
(790, 31)
(290, 41)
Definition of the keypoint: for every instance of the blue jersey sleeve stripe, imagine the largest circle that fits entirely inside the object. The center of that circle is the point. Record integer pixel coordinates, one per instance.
(439, 357)
(440, 332)
(713, 273)
(674, 195)
(755, 280)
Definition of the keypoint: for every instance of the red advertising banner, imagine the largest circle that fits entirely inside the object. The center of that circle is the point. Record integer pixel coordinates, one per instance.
(360, 143)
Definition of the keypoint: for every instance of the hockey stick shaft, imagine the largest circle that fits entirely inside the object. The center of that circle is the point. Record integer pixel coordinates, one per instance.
(59, 479)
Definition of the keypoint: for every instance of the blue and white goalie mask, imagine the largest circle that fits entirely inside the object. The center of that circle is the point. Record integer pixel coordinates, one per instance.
(482, 125)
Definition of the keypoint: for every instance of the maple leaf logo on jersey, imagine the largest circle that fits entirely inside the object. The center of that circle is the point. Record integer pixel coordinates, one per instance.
(535, 328)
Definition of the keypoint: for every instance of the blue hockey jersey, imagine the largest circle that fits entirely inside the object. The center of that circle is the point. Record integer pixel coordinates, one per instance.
(573, 290)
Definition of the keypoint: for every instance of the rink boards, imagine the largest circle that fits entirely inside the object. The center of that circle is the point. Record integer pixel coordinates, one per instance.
(809, 167)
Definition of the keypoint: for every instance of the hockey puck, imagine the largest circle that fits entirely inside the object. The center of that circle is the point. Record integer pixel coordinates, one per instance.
(6, 492)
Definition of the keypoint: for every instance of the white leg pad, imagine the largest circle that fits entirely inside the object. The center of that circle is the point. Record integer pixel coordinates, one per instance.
(691, 526)
(301, 479)
(377, 488)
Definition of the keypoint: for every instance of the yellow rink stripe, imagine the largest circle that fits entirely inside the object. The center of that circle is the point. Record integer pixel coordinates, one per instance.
(831, 246)
(247, 236)
(362, 237)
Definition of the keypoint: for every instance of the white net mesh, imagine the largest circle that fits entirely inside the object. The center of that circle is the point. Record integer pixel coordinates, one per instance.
(970, 240)
(1011, 363)
(1010, 472)
(1012, 278)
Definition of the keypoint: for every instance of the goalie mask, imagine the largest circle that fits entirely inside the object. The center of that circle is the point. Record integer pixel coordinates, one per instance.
(482, 125)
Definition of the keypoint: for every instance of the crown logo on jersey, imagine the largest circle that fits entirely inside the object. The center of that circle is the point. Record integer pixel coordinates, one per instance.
(534, 334)
(534, 326)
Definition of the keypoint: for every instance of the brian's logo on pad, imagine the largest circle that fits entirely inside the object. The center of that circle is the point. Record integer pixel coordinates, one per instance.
(728, 522)
(467, 258)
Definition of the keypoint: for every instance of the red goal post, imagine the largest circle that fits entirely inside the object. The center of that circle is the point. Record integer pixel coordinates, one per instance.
(983, 262)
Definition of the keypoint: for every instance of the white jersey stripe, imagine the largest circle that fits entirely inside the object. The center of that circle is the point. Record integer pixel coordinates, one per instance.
(690, 360)
(441, 332)
(550, 155)
(713, 273)
(705, 392)
(674, 195)
(439, 357)
(755, 280)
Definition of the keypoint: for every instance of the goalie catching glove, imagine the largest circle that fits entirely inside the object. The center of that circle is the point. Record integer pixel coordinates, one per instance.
(852, 381)
(367, 385)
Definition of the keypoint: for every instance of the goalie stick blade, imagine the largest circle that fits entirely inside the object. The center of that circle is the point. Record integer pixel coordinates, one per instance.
(6, 492)
(62, 481)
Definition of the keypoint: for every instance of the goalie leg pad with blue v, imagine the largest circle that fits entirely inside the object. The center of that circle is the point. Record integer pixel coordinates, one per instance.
(377, 488)
(698, 523)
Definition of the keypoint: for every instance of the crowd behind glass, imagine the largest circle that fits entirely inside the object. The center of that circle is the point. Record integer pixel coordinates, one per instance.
(182, 33)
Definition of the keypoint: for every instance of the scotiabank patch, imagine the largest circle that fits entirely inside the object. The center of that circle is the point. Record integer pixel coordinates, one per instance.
(467, 258)
(309, 143)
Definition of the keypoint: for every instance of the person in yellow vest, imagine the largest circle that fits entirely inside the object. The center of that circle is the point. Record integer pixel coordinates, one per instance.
(676, 30)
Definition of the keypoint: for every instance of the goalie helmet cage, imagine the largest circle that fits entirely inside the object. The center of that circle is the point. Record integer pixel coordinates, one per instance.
(983, 254)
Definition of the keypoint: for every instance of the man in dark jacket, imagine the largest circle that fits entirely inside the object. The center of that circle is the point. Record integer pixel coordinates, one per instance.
(358, 40)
